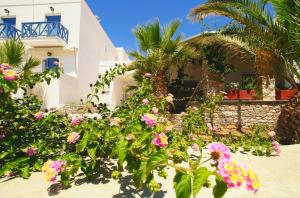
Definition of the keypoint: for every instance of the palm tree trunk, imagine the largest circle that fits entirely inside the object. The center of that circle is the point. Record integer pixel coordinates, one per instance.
(160, 84)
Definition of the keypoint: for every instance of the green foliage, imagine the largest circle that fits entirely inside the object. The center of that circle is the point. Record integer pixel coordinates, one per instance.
(183, 185)
(220, 188)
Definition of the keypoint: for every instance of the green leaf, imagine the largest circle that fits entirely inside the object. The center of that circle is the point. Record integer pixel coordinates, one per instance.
(83, 143)
(3, 155)
(157, 159)
(182, 185)
(220, 188)
(200, 178)
(140, 175)
(92, 152)
(122, 151)
(25, 172)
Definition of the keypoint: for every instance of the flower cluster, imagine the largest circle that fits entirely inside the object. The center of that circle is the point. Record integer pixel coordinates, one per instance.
(170, 98)
(234, 174)
(219, 152)
(275, 144)
(114, 121)
(75, 120)
(39, 115)
(211, 128)
(51, 169)
(169, 127)
(31, 151)
(149, 119)
(160, 140)
(8, 73)
(73, 138)
(195, 147)
(145, 101)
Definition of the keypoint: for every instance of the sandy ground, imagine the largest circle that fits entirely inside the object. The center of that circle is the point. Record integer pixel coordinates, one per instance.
(280, 178)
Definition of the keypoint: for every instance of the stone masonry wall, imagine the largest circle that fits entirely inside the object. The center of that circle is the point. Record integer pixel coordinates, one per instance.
(241, 115)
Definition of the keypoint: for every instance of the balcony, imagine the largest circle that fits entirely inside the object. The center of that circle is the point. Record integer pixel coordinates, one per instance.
(45, 34)
(8, 31)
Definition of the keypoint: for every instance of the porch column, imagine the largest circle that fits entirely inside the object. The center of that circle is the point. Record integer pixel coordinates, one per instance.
(268, 88)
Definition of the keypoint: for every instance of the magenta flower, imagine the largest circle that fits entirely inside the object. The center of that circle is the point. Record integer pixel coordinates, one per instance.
(39, 115)
(145, 101)
(4, 66)
(31, 151)
(75, 120)
(149, 119)
(73, 138)
(9, 74)
(161, 140)
(219, 152)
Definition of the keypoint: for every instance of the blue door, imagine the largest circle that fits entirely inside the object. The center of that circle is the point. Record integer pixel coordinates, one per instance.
(53, 25)
(9, 29)
(49, 63)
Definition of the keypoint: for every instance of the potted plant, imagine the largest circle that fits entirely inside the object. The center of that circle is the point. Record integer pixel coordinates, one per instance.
(285, 93)
(247, 89)
(232, 91)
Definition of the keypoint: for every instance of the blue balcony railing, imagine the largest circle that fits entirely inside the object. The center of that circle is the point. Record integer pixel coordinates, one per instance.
(8, 31)
(45, 29)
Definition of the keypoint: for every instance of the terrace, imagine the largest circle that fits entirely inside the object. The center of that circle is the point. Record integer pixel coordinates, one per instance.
(9, 32)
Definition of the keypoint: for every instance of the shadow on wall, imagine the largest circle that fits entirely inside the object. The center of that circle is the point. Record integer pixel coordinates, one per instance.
(288, 125)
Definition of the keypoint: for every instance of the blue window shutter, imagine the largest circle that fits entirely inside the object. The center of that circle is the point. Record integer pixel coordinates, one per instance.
(56, 18)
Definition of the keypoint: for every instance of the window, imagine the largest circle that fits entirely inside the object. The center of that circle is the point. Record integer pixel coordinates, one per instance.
(50, 63)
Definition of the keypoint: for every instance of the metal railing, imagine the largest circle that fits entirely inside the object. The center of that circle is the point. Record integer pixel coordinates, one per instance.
(8, 31)
(45, 29)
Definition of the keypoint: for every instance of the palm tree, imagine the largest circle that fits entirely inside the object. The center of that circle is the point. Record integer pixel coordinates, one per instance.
(13, 53)
(275, 40)
(159, 49)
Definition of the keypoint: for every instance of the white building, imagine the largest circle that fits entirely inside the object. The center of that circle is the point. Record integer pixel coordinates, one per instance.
(64, 31)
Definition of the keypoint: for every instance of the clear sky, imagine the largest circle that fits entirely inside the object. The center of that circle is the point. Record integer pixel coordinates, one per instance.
(119, 17)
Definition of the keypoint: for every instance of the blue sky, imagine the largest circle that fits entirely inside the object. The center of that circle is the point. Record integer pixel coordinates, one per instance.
(119, 17)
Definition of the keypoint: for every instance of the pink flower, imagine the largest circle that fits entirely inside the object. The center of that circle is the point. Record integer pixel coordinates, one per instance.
(276, 147)
(145, 101)
(39, 115)
(58, 166)
(115, 121)
(31, 151)
(51, 169)
(154, 110)
(73, 138)
(148, 75)
(149, 119)
(219, 152)
(129, 137)
(8, 174)
(75, 120)
(4, 66)
(161, 140)
(9, 74)
(2, 136)
(195, 147)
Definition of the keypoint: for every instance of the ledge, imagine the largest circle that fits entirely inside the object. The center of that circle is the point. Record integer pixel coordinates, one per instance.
(266, 102)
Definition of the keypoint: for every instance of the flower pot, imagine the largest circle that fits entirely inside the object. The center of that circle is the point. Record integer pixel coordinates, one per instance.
(232, 95)
(247, 94)
(285, 94)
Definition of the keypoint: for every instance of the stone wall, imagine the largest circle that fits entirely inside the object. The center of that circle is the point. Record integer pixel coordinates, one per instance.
(241, 115)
